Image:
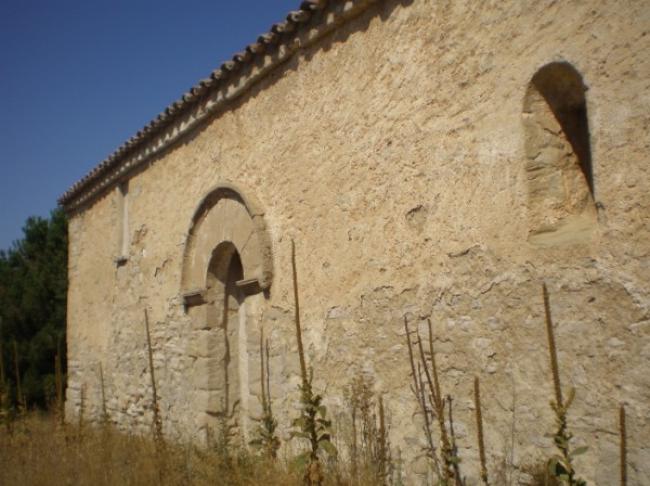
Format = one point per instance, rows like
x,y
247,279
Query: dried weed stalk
x,y
479,429
157,422
82,410
105,417
370,455
267,440
312,424
432,406
418,391
561,465
623,434
58,383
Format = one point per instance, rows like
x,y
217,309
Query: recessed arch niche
x,y
558,165
227,269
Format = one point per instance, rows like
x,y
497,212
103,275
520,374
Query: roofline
x,y
302,27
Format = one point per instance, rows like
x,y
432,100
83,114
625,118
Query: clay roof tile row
x,y
271,38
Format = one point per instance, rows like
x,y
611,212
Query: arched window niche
x,y
558,157
227,272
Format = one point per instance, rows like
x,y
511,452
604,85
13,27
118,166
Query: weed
x,y
82,410
446,468
540,474
560,465
479,430
370,455
267,439
58,383
157,422
312,424
105,419
623,445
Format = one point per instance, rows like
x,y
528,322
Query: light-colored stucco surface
x,y
394,153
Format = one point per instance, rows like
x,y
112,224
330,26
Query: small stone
x,y
615,343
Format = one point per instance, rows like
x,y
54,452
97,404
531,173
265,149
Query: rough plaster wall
x,y
393,153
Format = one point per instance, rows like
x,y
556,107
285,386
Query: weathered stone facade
x,y
430,159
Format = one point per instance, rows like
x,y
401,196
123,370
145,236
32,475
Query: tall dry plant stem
x,y
561,465
409,346
262,374
82,408
105,418
313,474
157,422
418,390
434,368
266,439
81,431
555,369
454,458
301,351
449,458
354,448
479,428
312,425
58,381
383,458
20,397
623,432
268,376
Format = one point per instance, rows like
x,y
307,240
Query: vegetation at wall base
x,y
42,448
40,451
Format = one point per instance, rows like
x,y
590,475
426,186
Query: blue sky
x,y
77,78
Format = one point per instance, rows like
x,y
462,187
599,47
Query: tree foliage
x,y
33,288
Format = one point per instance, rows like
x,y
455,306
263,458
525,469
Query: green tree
x,y
33,288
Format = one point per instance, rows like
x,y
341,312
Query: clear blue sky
x,y
77,78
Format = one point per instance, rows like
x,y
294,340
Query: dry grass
x,y
39,451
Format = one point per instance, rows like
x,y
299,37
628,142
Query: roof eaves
x,y
204,98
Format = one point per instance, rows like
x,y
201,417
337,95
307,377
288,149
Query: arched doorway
x,y
226,275
226,320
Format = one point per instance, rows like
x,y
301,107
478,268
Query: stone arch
x,y
226,269
226,214
558,156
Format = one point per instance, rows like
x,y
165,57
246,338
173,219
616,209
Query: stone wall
x,y
399,152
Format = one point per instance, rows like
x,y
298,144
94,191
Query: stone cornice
x,y
315,19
